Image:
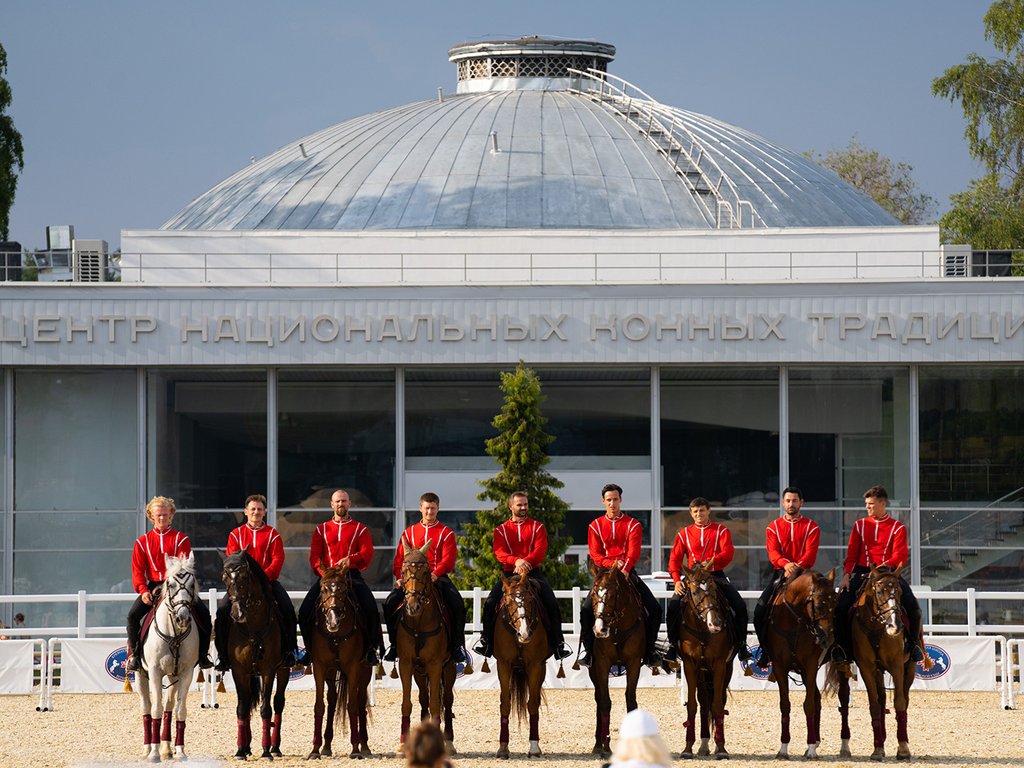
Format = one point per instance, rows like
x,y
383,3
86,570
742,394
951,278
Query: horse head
x,y
820,606
334,604
416,578
180,590
241,579
702,593
882,593
520,606
608,593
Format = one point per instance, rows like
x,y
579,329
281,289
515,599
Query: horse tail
x,y
520,691
832,677
341,696
255,692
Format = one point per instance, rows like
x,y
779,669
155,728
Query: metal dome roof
x,y
513,151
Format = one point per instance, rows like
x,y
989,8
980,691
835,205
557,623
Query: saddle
x,y
147,620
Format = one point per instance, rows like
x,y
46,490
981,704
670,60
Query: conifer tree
x,y
519,449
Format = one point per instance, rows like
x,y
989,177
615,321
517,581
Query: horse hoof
x,y
450,745
878,755
314,755
721,754
326,752
903,753
844,751
704,751
782,756
356,755
364,750
502,755
268,755
276,752
687,755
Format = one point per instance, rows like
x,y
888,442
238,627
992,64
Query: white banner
x,y
16,660
91,665
958,664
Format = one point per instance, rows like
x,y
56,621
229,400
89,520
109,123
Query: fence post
x,y
82,622
972,612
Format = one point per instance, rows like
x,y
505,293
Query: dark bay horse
x,y
879,645
706,649
338,648
799,633
422,642
520,650
255,652
619,638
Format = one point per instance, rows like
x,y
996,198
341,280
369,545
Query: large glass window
x,y
972,477
76,438
207,438
720,436
336,430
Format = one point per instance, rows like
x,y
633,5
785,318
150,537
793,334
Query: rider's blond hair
x,y
160,501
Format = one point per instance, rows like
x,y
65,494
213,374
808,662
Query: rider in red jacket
x,y
614,539
441,556
149,566
520,546
264,545
792,542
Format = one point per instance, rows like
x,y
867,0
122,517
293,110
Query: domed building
x,y
710,314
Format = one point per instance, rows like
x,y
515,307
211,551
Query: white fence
x,y
40,660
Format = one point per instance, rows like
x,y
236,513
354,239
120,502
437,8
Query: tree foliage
x,y
888,183
12,153
986,215
519,448
991,94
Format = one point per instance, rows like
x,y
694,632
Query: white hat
x,y
636,724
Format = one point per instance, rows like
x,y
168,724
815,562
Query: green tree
x,y
991,94
12,153
888,183
519,449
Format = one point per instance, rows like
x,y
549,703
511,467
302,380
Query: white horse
x,y
171,651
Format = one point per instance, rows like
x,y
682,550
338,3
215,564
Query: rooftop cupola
x,y
529,63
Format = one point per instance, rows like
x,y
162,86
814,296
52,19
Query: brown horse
x,y
799,633
706,649
520,650
255,652
879,646
338,648
619,638
422,642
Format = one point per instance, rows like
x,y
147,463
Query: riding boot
x,y
914,638
134,663
392,606
587,633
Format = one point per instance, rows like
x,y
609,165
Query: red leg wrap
x,y
535,726
503,731
901,727
785,729
165,734
405,727
241,733
154,731
179,733
720,731
318,724
147,729
267,735
277,730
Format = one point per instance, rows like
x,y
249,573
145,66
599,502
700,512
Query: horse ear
x,y
898,571
614,568
592,567
190,561
426,547
832,576
504,580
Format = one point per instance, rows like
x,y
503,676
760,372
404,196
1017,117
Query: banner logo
x,y
940,663
297,673
116,664
756,671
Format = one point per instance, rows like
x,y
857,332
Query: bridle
x,y
703,595
179,593
416,585
609,592
885,601
332,604
238,581
521,608
819,609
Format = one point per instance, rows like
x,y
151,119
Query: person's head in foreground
x,y
640,744
425,747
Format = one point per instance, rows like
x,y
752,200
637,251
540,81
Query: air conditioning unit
x,y
90,261
956,260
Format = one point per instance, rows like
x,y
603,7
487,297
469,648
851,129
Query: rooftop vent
x,y
529,63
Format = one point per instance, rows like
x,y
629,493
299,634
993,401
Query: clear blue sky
x,y
130,109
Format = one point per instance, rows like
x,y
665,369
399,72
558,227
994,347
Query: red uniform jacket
x,y
877,542
527,540
441,554
148,556
611,540
333,542
793,542
697,544
264,545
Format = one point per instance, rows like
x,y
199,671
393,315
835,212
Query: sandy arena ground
x,y
946,729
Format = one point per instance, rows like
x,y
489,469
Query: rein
x,y
517,602
253,599
183,581
424,592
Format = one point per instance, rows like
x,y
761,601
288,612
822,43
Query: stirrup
x,y
133,664
204,662
223,664
586,659
484,649
392,653
562,651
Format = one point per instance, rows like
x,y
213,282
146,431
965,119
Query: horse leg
x,y
599,677
266,712
318,712
504,706
332,708
142,682
844,714
156,711
719,683
812,711
873,682
536,683
351,703
282,684
901,701
180,712
704,684
447,702
784,710
364,704
165,726
242,715
691,674
405,671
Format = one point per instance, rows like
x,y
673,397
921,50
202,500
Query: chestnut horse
x,y
799,633
879,646
619,638
338,648
422,643
706,648
520,650
255,652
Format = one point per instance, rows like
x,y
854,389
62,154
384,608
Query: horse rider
x,y
877,540
441,557
342,540
614,539
699,543
264,545
520,546
149,568
792,541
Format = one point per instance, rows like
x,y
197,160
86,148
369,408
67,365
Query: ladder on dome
x,y
717,196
